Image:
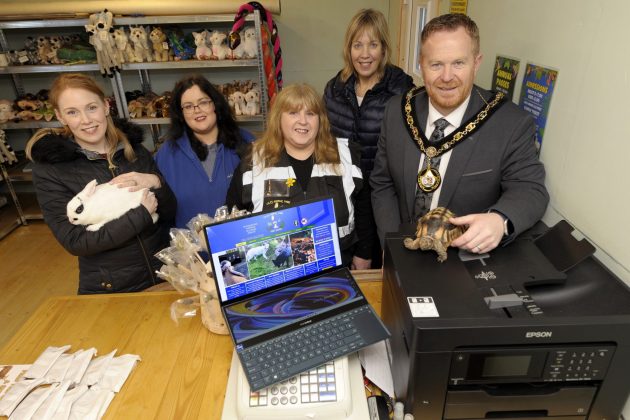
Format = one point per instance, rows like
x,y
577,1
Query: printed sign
x,y
504,75
459,6
538,85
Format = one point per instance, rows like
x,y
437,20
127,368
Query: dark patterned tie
x,y
423,200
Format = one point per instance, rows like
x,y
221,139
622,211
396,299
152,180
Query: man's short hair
x,y
451,22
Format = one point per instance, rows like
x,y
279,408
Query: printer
x,y
537,329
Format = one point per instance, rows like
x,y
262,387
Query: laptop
x,y
289,304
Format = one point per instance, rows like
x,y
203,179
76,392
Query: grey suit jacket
x,y
496,168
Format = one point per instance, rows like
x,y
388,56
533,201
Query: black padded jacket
x,y
362,124
119,257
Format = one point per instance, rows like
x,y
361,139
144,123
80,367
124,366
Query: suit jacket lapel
x,y
412,153
461,153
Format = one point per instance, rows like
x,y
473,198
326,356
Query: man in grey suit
x,y
480,163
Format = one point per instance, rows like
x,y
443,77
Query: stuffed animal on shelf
x,y
100,29
6,111
249,43
124,50
180,46
238,99
161,50
96,205
43,49
55,44
252,100
30,45
202,40
220,50
7,155
136,108
139,39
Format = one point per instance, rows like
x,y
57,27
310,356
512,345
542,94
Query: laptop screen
x,y
262,250
286,306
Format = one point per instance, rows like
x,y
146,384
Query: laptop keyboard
x,y
301,350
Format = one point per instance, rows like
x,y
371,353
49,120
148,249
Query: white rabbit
x,y
99,204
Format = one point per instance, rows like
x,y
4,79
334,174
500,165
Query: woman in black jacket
x,y
356,97
118,257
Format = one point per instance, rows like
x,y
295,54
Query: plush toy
x,y
202,39
249,43
136,108
161,49
55,44
100,29
219,49
238,99
252,100
124,50
43,49
30,45
180,46
6,111
7,155
96,205
139,39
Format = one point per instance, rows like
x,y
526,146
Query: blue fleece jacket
x,y
186,176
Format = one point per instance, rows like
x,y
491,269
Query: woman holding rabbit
x,y
118,257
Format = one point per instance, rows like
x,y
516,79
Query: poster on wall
x,y
504,76
459,6
538,84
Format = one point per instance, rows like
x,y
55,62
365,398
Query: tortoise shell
x,y
435,232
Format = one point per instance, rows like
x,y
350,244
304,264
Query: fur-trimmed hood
x,y
55,148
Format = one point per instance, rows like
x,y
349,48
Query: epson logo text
x,y
538,334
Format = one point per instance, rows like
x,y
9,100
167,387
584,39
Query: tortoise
x,y
435,232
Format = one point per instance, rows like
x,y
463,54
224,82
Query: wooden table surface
x,y
184,368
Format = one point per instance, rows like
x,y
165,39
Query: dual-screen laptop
x,y
289,304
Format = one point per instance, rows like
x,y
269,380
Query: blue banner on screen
x,y
263,250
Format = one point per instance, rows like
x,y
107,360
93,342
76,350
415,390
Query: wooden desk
x,y
184,368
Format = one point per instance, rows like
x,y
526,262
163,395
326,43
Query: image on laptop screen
x,y
262,250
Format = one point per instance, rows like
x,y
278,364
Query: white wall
x,y
586,147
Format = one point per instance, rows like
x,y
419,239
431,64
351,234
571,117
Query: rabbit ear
x,y
89,188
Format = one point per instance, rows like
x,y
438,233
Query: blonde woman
x,y
297,159
356,97
119,256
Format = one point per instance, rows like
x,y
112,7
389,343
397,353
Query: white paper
x,y
375,361
80,362
45,361
31,403
52,403
97,369
117,372
16,393
63,411
92,405
58,370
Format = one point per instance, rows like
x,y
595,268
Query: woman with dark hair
x,y
356,97
118,257
203,147
297,159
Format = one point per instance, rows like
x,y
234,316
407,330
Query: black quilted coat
x,y
363,124
119,256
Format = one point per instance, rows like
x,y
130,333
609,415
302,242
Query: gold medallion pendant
x,y
429,179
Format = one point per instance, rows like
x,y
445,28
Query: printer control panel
x,y
578,364
530,364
